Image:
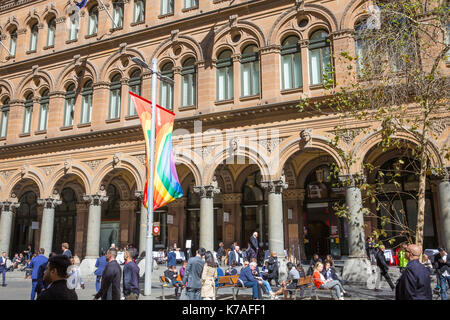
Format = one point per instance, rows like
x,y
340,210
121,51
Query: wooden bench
x,y
315,289
306,282
227,282
168,284
239,286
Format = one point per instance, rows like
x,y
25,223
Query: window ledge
x,y
10,57
30,51
71,41
115,29
2,138
132,117
88,36
289,91
189,9
161,16
228,101
137,23
256,96
83,125
21,135
193,107
49,47
40,132
316,86
66,128
219,1
112,120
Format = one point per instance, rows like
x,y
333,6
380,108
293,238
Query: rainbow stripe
x,y
166,186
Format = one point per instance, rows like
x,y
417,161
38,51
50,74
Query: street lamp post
x,y
149,242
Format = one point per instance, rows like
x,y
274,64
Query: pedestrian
x,y
442,262
193,275
291,282
3,268
111,276
253,247
56,276
321,282
171,258
247,278
220,253
171,276
183,269
382,269
34,265
28,254
401,255
426,262
130,277
209,276
100,264
370,249
414,283
272,268
313,263
74,280
235,256
65,249
41,284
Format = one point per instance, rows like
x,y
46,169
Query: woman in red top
x,y
322,283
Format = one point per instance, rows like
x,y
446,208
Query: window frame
x,y
251,59
93,12
193,4
292,51
28,112
70,96
319,45
43,101
115,86
170,7
34,33
4,109
132,83
135,19
186,71
87,91
51,25
164,85
228,65
118,4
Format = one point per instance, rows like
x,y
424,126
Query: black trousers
x,y
388,279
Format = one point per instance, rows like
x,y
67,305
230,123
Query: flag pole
x,y
149,249
106,9
9,52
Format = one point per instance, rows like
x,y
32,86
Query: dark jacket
x,y
312,264
381,262
247,275
440,265
193,274
253,243
334,275
370,249
67,253
272,267
171,259
100,264
220,252
414,283
170,276
40,278
110,285
232,258
130,278
58,291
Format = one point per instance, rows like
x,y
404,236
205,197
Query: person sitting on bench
x,y
329,273
249,281
322,283
291,283
232,270
171,275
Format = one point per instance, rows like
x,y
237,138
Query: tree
x,y
397,81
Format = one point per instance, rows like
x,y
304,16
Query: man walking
x,y
220,253
442,263
65,250
100,264
3,268
193,275
130,277
110,285
56,276
383,269
35,264
253,249
414,283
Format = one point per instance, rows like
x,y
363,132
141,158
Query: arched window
x,y
360,46
190,4
291,64
188,88
69,106
250,71
225,88
134,85
139,11
115,97
319,57
166,6
34,30
28,113
93,20
13,42
86,102
166,89
43,110
51,32
73,26
118,14
4,116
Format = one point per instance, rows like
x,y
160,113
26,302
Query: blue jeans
x,y
3,275
33,288
254,286
267,286
98,283
194,294
444,281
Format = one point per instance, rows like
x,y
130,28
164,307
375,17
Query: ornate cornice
x,y
95,200
294,194
9,205
346,33
127,204
49,203
275,186
352,180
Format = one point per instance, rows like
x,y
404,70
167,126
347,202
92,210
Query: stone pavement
x,y
19,289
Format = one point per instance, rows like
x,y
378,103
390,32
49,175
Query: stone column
x,y
48,219
206,215
357,266
444,205
6,217
142,223
95,201
275,206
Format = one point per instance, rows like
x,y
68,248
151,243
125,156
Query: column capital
x,y
95,199
442,173
8,205
49,203
207,191
352,180
274,186
139,194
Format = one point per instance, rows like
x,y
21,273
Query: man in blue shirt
x,y
100,264
34,264
130,277
249,281
171,258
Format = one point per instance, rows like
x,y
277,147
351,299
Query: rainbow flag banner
x,y
166,186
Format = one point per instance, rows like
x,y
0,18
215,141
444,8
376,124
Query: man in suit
x,y
110,285
3,268
235,256
100,264
193,275
383,269
41,284
414,283
35,264
56,275
65,250
249,281
253,249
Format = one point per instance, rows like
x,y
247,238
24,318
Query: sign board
x,y
34,225
169,219
188,244
226,217
156,229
